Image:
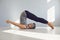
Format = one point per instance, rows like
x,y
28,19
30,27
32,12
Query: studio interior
x,y
29,19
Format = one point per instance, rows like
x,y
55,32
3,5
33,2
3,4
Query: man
x,y
23,17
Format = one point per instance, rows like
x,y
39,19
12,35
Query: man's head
x,y
32,25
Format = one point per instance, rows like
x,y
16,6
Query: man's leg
x,y
16,24
38,19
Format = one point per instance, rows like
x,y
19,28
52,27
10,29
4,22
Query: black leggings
x,y
35,18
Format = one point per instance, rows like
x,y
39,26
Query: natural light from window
x,y
51,14
48,1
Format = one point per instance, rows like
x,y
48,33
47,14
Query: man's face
x,y
30,25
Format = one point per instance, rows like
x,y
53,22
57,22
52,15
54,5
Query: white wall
x,y
10,9
57,14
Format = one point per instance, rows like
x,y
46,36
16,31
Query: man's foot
x,y
51,25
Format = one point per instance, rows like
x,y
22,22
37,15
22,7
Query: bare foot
x,y
51,25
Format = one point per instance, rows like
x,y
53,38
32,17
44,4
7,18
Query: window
x,y
51,14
